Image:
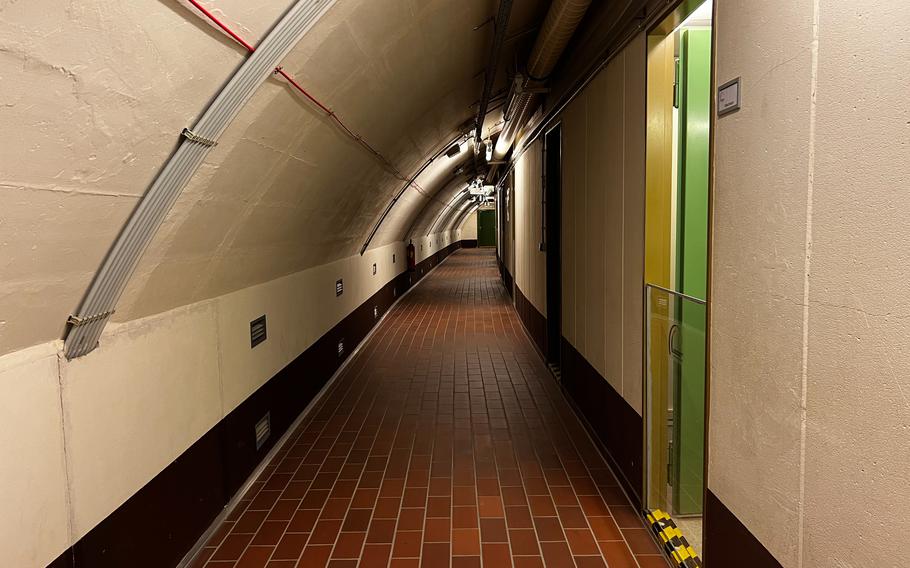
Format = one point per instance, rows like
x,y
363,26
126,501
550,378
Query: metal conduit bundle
x,y
562,19
85,327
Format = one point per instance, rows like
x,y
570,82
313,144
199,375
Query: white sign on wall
x,y
728,97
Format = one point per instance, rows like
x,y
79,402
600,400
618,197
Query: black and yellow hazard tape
x,y
671,538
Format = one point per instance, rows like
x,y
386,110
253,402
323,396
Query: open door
x,y
676,265
694,99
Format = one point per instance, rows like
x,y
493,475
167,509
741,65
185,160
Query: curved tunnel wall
x,y
282,192
805,396
274,216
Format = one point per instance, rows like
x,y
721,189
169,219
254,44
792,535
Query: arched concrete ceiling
x,y
97,93
437,212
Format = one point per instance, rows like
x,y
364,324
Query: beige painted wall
x,y
603,221
34,526
153,387
468,228
98,93
809,390
530,263
427,246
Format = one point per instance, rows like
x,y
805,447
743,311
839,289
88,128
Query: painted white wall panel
x,y
633,226
133,406
603,221
857,478
614,219
762,169
34,524
469,227
531,262
600,216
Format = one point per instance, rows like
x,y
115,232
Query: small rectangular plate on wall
x,y
339,287
374,269
257,331
728,97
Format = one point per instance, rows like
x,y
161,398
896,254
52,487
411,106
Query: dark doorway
x,y
552,148
486,228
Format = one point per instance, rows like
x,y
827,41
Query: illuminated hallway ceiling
x,y
99,93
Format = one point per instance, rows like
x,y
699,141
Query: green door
x,y
486,228
692,223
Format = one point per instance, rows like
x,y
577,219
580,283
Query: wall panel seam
x,y
807,267
622,238
67,477
219,355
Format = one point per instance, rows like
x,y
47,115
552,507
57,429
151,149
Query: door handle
x,y
673,334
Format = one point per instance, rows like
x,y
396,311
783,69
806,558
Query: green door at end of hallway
x,y
692,274
486,228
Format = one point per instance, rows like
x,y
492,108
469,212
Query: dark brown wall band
x,y
728,542
533,321
614,424
618,430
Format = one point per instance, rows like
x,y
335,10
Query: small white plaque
x,y
728,97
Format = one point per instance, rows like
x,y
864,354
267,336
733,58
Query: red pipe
x,y
329,112
222,25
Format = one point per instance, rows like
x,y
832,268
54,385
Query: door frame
x,y
663,24
551,242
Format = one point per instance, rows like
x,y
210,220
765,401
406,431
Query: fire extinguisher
x,y
412,257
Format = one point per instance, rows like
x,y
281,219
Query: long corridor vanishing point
x,y
444,442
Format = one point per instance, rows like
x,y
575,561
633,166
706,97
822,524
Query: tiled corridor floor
x,y
445,442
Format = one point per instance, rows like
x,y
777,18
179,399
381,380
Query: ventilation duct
x,y
501,24
561,21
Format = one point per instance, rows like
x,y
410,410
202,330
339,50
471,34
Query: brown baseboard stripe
x,y
507,280
613,422
728,542
533,321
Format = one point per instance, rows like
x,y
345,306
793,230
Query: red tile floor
x,y
445,442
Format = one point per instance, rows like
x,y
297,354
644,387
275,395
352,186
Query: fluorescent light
x,y
701,16
502,147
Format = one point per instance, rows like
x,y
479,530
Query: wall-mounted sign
x,y
728,97
339,287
